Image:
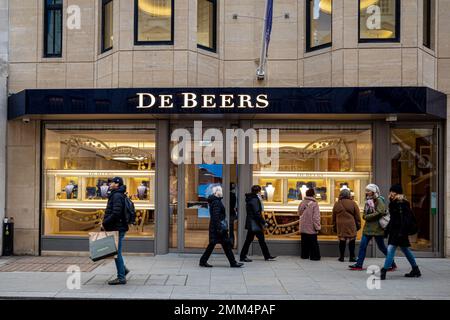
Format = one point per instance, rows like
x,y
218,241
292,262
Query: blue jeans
x,y
120,265
363,247
391,253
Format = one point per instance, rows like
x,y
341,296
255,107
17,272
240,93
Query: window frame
x,y
397,26
214,46
308,46
103,49
136,26
47,9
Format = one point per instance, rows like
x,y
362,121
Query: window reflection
x,y
319,20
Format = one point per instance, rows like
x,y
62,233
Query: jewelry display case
x,y
282,192
75,200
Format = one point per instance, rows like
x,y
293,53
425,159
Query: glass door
x,y
414,165
191,183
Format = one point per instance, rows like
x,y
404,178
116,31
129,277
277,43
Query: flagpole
x,y
260,72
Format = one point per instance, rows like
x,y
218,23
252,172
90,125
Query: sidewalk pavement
x,y
178,276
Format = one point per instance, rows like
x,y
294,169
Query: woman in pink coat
x,y
309,213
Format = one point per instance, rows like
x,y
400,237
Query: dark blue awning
x,y
341,101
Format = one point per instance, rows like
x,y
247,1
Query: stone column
x,y
4,25
162,188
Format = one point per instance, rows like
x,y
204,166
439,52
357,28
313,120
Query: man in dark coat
x,y
115,220
398,231
218,230
255,224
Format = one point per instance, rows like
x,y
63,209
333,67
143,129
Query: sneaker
x,y
355,267
352,259
205,265
341,259
117,281
392,268
236,265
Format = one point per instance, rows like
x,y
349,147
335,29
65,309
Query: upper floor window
x,y
318,24
379,20
53,28
206,24
153,21
429,23
107,25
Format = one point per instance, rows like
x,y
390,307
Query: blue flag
x,y
268,24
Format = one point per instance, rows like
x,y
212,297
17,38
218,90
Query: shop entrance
x,y
191,183
414,165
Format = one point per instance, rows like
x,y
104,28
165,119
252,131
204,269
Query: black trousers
x,y
262,243
232,219
310,247
226,245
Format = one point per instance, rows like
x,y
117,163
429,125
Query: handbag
x,y
255,227
384,220
223,225
102,245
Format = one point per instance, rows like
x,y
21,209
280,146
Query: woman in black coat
x,y
398,230
218,230
255,224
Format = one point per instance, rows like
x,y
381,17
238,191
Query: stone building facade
x,y
347,62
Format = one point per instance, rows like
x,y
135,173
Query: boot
x,y
351,248
341,250
415,273
383,274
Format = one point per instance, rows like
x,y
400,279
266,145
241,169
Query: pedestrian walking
x,y
346,223
218,230
402,224
374,209
309,213
255,224
115,220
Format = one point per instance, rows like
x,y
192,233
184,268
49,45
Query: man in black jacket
x,y
115,220
218,230
255,224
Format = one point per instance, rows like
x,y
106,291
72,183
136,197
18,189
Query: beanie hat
x,y
374,188
118,180
397,188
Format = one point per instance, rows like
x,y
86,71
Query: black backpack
x,y
130,211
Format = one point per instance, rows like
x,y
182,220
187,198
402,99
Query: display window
x,y
326,158
80,160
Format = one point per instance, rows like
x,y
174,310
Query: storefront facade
x,y
328,139
354,101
